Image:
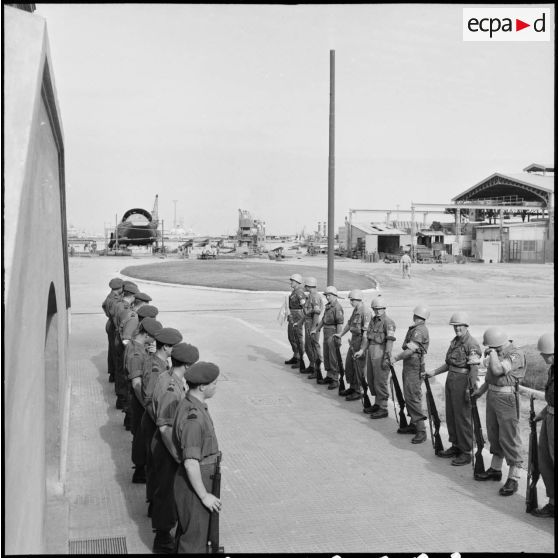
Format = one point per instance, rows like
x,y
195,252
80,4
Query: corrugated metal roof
x,y
545,183
539,167
373,228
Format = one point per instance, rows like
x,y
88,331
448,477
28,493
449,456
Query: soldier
x,y
312,309
332,322
108,306
169,390
147,311
194,437
165,339
122,311
295,319
357,325
462,364
505,366
135,357
546,437
415,346
377,343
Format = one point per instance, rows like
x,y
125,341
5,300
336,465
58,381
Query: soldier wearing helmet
x,y
405,263
415,346
295,319
357,325
546,437
505,366
377,344
312,310
462,364
331,322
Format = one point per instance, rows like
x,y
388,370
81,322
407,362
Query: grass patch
x,y
250,276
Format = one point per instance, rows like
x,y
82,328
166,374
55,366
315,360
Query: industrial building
x,y
506,217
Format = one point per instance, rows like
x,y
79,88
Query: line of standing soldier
x,y
174,446
370,359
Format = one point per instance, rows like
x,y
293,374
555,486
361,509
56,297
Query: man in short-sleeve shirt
x,y
505,366
194,436
169,390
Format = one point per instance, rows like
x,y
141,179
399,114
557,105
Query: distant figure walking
x,y
405,265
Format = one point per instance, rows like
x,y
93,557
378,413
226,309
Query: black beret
x,y
202,373
147,311
186,353
116,283
168,336
143,296
130,288
151,326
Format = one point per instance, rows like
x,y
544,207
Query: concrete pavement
x,y
303,470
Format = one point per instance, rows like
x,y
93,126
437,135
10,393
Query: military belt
x,y
330,326
458,370
502,389
550,409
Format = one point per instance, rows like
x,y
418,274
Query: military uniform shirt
x,y
154,366
112,298
381,329
313,306
135,356
360,319
169,391
193,433
333,314
128,324
297,298
463,352
417,339
513,362
120,310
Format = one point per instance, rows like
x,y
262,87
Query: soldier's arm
x,y
494,364
166,436
193,471
136,386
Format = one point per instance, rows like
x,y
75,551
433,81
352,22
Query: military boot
x,y
164,543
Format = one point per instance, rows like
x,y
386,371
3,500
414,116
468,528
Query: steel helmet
x,y
331,290
459,318
310,282
546,344
378,302
422,312
296,277
494,337
355,294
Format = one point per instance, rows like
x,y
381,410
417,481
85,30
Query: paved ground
x,y
303,470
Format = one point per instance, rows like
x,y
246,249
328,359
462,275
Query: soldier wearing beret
x,y
123,312
169,390
331,322
157,363
146,311
505,366
194,437
108,307
462,364
135,357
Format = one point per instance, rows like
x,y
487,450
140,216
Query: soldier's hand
x,y
386,363
359,354
152,348
427,374
476,394
211,502
337,336
337,340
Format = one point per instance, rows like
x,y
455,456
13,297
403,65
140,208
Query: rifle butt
x,y
479,464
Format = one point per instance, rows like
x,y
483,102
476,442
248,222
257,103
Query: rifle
x,y
213,530
342,385
478,461
533,473
365,399
433,417
400,400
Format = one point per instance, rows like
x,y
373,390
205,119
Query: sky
x,y
217,108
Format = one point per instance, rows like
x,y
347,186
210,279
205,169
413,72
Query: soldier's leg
x,y
370,372
350,373
450,415
317,349
493,432
546,454
138,442
148,430
119,377
381,379
328,334
109,328
412,388
509,434
461,406
292,340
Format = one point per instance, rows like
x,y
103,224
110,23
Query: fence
x,y
528,251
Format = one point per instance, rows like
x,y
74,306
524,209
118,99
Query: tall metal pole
x,y
116,231
175,212
331,172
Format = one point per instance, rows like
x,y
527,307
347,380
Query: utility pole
x,y
331,172
116,231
